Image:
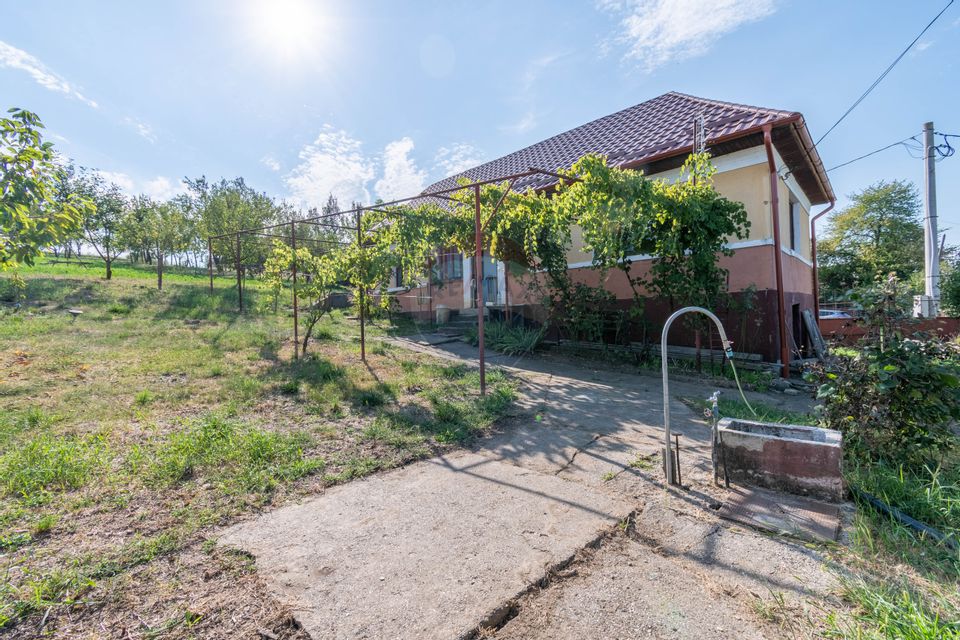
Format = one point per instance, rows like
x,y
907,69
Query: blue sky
x,y
371,98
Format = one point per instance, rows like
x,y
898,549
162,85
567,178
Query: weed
x,y
608,476
47,464
143,398
895,611
44,525
643,462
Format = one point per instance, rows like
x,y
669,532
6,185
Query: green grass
x,y
731,408
168,412
895,612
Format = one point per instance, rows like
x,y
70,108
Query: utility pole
x,y
930,305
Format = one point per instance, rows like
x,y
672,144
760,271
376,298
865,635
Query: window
x,y
449,266
796,215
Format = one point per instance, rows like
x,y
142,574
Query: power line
x,y
867,155
883,75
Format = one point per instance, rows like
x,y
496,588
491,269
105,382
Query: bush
x,y
507,339
894,400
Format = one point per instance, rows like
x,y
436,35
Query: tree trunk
x,y
109,262
159,270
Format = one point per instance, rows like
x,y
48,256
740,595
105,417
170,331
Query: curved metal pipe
x,y
728,351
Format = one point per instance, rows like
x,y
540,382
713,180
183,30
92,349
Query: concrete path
x,y
445,547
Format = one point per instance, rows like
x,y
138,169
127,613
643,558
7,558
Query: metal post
x,y
239,276
931,256
430,288
210,261
728,350
479,280
296,308
360,297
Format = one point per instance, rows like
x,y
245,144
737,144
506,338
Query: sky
x,y
368,98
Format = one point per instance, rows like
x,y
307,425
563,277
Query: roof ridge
x,y
736,105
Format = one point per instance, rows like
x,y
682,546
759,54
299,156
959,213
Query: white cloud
x,y
270,162
158,188
526,94
526,122
401,177
162,188
457,158
118,178
656,32
14,58
143,129
333,163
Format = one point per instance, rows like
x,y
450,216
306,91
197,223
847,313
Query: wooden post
x,y
210,261
296,309
479,280
239,276
360,298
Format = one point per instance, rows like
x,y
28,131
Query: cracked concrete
x,y
447,546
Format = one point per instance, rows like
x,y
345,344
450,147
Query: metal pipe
x,y
210,261
360,297
296,319
813,258
478,278
239,280
777,253
728,351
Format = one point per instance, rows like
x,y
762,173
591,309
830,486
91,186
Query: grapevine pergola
x,y
287,231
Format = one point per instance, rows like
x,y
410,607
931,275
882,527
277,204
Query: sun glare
x,y
290,29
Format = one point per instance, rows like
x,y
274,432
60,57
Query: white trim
x,y
743,244
792,185
724,163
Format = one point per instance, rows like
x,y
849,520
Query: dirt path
x,y
557,527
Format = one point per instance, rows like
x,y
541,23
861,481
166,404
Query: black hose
x,y
903,518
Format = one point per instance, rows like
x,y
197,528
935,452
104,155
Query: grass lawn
x,y
129,435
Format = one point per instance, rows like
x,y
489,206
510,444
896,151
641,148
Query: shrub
x,y
893,400
509,340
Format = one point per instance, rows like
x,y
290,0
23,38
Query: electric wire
x,y
903,142
883,75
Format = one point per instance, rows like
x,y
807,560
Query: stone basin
x,y
784,457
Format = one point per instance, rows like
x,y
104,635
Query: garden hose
x,y
728,351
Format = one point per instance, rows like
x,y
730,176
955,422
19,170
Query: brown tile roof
x,y
655,129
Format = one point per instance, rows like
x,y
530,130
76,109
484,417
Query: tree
x,y
102,227
226,207
317,279
156,228
881,232
32,217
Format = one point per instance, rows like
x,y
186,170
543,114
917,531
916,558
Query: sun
x,y
287,29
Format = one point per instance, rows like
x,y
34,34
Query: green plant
x,y
507,339
893,401
143,398
46,464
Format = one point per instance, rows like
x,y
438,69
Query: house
x,y
754,150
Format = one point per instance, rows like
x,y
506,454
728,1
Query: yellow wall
x,y
751,186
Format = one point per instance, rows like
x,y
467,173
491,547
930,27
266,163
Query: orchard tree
x,y
102,228
32,217
881,232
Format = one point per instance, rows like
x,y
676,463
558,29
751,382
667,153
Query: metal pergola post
x,y
360,297
239,275
478,278
296,309
210,261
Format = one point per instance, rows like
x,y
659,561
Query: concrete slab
x,y
782,513
627,591
428,551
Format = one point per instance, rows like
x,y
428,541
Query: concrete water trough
x,y
785,457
